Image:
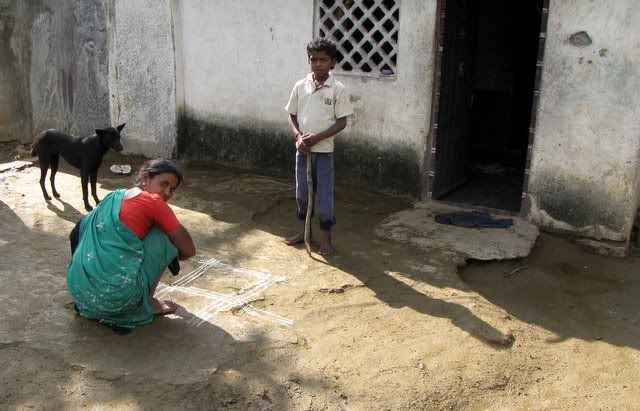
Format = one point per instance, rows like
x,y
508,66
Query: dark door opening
x,y
488,71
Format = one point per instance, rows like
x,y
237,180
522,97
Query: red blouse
x,y
139,213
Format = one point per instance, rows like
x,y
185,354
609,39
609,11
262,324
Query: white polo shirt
x,y
317,110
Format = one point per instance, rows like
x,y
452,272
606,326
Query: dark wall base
x,y
581,203
271,150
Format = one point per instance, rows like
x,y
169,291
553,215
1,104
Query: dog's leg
x,y
84,181
94,179
44,166
54,169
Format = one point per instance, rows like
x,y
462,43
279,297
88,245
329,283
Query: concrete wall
x,y
53,67
15,45
213,77
81,65
240,61
69,66
143,76
584,173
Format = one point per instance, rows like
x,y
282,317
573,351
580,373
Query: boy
x,y
318,110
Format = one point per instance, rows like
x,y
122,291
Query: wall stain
x,y
581,203
580,39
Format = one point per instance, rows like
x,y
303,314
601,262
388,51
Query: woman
x,y
124,246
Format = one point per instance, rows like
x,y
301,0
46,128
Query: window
x,y
365,32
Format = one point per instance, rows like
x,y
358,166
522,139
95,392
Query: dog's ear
x,y
120,127
99,133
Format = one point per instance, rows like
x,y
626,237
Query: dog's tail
x,y
34,145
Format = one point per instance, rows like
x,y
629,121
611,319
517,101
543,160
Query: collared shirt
x,y
319,109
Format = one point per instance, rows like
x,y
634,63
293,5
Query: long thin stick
x,y
509,274
307,221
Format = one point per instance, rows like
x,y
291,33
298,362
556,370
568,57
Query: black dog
x,y
85,153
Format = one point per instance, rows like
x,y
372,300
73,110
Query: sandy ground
x,y
390,322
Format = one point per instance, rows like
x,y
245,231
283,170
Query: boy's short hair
x,y
322,44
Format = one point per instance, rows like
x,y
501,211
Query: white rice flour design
x,y
219,302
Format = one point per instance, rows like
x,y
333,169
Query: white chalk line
x,y
216,304
212,262
242,303
230,300
240,299
223,302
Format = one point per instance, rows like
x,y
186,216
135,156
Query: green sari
x,y
112,271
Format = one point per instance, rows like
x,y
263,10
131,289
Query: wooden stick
x,y
307,221
509,274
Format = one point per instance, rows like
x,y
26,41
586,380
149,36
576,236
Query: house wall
x,y
213,78
142,79
69,66
78,66
584,169
15,110
240,61
53,67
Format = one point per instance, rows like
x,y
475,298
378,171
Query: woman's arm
x,y
181,238
166,219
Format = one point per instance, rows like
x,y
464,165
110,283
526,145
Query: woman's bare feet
x,y
296,239
163,306
326,246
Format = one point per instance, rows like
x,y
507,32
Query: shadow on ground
x,y
566,290
249,201
393,271
55,359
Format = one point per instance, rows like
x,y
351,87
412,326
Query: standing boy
x,y
318,110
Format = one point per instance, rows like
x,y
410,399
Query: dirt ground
x,y
389,322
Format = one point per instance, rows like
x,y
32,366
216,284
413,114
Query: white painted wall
x,y
241,59
397,111
234,64
585,162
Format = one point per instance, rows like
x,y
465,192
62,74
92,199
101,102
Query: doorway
x,y
485,95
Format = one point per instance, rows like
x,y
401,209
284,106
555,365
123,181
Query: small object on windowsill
x,y
387,72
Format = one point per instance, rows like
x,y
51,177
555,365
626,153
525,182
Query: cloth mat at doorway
x,y
473,219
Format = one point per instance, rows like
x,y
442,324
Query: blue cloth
x,y
323,184
472,219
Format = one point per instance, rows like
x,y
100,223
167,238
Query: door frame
x,y
430,155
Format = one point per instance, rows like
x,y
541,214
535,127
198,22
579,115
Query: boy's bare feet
x,y
295,239
326,246
163,306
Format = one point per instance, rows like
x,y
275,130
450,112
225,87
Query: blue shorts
x,y
323,182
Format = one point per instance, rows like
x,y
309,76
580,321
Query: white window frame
x,y
378,26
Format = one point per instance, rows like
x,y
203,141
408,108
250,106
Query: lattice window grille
x,y
365,33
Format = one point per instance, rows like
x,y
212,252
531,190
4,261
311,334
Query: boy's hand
x,y
301,145
310,139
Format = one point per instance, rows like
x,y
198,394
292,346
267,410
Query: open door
x,y
484,93
454,97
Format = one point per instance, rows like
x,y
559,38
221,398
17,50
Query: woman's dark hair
x,y
320,44
158,166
